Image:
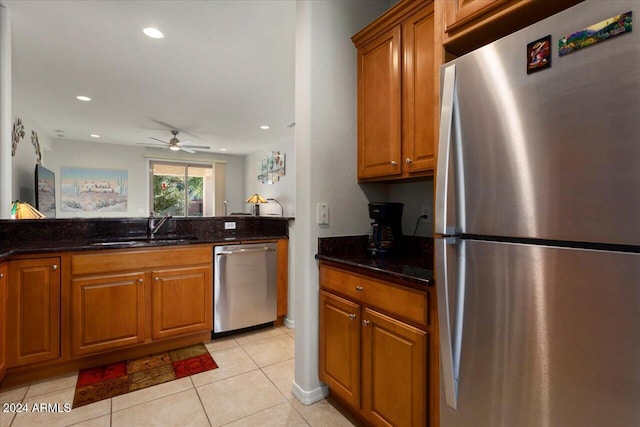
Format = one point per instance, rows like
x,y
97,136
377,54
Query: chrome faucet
x,y
155,227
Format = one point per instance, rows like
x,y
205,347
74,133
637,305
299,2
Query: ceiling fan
x,y
175,144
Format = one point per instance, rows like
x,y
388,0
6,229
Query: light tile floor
x,y
251,387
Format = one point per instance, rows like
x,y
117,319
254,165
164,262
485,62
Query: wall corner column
x,y
6,186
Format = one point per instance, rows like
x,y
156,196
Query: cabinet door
x,y
33,320
460,12
420,97
3,320
182,301
379,103
340,347
107,312
394,372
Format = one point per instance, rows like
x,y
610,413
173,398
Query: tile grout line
x,y
206,414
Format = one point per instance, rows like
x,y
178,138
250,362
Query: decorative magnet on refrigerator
x,y
539,55
596,33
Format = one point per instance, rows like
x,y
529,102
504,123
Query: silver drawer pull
x,y
352,316
394,163
359,288
365,323
408,161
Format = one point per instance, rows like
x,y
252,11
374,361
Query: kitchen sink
x,y
134,241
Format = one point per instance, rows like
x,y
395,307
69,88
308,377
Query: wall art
x,y
18,134
36,146
93,190
271,167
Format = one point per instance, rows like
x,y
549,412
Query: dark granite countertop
x,y
413,264
42,236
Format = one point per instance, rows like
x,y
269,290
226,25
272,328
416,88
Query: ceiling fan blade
x,y
200,147
148,144
187,150
186,142
164,142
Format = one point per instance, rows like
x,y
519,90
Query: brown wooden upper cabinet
x,y
397,93
470,24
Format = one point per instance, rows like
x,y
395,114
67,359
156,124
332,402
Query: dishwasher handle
x,y
240,251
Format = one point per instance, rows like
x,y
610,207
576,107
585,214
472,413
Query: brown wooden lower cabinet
x,y
107,312
3,319
181,301
394,367
374,363
33,312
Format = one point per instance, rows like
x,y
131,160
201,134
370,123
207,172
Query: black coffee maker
x,y
385,234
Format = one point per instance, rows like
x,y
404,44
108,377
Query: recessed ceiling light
x,y
154,33
83,98
223,149
265,127
94,135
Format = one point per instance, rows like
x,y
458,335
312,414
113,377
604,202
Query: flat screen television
x,y
45,187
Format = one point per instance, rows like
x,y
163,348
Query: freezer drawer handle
x,y
450,340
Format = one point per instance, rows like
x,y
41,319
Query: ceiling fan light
x,y
174,148
154,33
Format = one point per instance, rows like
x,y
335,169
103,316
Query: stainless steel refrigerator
x,y
538,228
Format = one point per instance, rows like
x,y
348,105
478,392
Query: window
x,y
181,189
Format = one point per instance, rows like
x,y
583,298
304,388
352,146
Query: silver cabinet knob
x,y
156,278
365,323
408,161
54,267
1,275
141,281
394,163
359,288
352,316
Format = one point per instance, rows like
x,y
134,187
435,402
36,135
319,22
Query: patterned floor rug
x,y
95,384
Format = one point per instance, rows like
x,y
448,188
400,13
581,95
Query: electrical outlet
x,y
323,214
426,210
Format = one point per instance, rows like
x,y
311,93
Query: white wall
x,y
283,190
326,157
135,161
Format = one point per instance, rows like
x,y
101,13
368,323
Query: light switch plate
x,y
323,214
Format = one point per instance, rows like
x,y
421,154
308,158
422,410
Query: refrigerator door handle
x,y
444,150
450,321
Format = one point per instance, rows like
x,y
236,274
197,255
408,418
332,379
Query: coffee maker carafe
x,y
385,234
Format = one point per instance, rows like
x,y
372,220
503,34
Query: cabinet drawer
x,y
139,259
404,302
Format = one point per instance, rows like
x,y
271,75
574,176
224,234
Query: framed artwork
x,y
271,167
93,190
45,185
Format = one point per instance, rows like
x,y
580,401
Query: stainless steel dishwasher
x,y
245,286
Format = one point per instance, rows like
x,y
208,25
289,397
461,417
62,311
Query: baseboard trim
x,y
309,397
291,324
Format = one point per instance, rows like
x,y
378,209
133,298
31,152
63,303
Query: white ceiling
x,y
223,69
